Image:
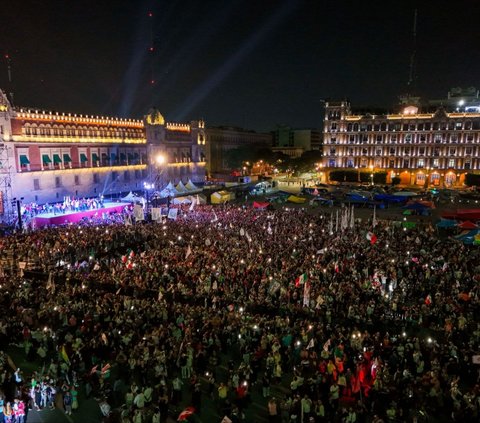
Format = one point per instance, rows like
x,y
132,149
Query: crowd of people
x,y
253,315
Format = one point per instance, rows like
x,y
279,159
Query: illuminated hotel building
x,y
436,148
49,155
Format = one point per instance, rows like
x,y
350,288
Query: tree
x,y
238,156
396,180
307,161
472,179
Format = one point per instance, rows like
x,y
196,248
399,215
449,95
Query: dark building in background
x,y
221,139
294,142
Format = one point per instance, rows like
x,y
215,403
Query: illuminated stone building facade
x,y
436,148
49,155
176,151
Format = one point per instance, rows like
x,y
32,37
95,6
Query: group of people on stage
x,y
69,204
224,307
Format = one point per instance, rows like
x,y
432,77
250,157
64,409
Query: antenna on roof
x,y
9,72
412,74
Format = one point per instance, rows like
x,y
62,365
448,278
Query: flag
x,y
372,237
64,354
326,346
215,218
138,212
428,300
374,220
172,214
192,206
185,414
51,282
301,280
156,213
337,268
306,294
189,251
311,344
352,217
105,368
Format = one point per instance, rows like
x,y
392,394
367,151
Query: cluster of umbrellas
x,y
470,231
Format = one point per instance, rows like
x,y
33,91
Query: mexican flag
x,y
185,414
301,280
372,237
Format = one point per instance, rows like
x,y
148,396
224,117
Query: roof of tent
x,y
221,193
260,204
415,206
182,200
446,223
180,187
130,197
168,191
467,225
295,199
191,186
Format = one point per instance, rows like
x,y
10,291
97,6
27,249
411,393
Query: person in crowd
x,y
336,326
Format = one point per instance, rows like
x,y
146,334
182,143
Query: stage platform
x,y
51,219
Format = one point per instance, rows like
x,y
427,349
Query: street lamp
x,y
148,187
160,159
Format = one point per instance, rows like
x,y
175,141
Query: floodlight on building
x,y
160,159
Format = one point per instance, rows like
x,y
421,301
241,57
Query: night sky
x,y
232,62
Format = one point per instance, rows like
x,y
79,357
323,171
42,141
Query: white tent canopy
x,y
182,200
168,191
180,187
131,197
191,186
189,199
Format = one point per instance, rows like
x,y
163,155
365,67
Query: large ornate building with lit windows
x,y
436,148
45,155
176,151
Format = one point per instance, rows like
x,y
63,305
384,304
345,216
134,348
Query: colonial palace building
x,y
45,155
438,147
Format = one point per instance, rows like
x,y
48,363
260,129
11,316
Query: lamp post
x,y
427,176
371,174
160,160
148,187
